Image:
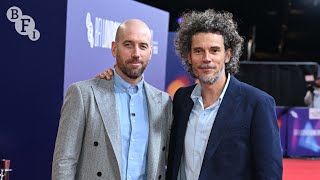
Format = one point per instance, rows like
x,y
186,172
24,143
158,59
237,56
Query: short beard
x,y
211,79
131,73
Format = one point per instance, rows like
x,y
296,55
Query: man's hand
x,y
106,74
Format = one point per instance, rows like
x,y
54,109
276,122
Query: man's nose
x,y
207,57
136,52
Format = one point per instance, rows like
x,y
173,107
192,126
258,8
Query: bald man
x,y
115,129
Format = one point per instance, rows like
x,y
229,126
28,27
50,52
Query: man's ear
x,y
150,52
228,55
114,48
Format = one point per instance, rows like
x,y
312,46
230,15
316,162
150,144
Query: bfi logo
x,y
24,24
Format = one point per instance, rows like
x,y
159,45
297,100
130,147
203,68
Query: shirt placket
x,y
131,153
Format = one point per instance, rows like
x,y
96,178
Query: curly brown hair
x,y
194,22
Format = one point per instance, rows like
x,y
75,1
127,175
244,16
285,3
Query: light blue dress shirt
x,y
197,134
133,111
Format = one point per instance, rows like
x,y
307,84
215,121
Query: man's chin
x,y
207,80
134,75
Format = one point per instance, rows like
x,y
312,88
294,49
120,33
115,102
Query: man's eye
x,y
215,50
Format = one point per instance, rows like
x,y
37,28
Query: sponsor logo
x,y
24,24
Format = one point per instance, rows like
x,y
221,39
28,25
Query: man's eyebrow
x,y
130,41
144,43
127,41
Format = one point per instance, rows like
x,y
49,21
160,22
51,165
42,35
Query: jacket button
x,y
99,174
164,148
95,143
159,177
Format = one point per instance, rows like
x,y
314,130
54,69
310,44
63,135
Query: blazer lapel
x,y
182,117
226,112
155,126
106,102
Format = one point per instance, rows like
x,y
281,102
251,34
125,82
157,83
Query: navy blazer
x,y
244,142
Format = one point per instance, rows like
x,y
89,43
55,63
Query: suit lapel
x,y
226,113
106,102
186,106
155,129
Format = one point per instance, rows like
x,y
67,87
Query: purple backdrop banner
x,y
91,27
303,133
176,75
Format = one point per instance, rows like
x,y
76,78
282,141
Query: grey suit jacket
x,y
88,144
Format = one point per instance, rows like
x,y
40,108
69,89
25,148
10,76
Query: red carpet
x,y
301,169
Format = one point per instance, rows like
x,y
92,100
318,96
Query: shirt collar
x,y
196,93
125,86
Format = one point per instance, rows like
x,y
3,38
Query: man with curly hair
x,y
223,129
